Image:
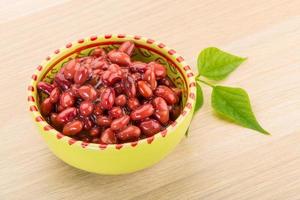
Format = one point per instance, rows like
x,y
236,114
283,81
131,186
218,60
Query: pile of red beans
x,y
107,98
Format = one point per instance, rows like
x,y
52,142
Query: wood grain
x,y
219,160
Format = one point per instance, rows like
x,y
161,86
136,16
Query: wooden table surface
x,y
219,160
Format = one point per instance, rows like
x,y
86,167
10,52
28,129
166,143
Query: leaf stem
x,y
206,83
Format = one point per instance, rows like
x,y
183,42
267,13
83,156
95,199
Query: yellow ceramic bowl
x,y
119,158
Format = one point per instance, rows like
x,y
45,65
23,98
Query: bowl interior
x,y
142,53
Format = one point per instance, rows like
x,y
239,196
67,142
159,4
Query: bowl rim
x,y
178,61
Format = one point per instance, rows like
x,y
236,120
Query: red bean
x,y
129,86
97,109
62,82
87,92
81,75
149,76
144,89
66,115
133,103
112,75
45,87
107,98
108,137
87,123
167,94
121,100
86,108
66,100
46,107
127,47
119,57
53,120
102,120
161,110
130,133
98,52
167,82
54,95
138,66
175,112
72,128
95,131
69,69
159,70
115,112
150,127
120,123
142,112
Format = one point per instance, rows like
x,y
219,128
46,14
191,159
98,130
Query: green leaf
x,y
234,104
216,64
199,98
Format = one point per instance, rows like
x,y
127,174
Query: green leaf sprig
x,y
230,102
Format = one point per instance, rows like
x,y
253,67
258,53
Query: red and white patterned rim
x,y
186,69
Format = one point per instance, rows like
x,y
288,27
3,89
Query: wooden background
x,y
219,160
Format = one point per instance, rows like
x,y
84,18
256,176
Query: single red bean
x,y
159,70
62,82
66,100
144,89
161,110
150,127
95,131
67,115
70,68
129,86
74,90
98,52
167,94
133,103
130,133
46,107
121,100
54,122
102,120
87,92
149,76
119,57
142,112
108,137
54,95
107,98
81,75
86,108
87,123
45,87
112,75
97,109
120,123
127,47
72,128
115,112
138,66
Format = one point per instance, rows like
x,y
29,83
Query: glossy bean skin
x,y
121,100
129,86
107,98
103,121
127,47
53,120
119,57
45,87
66,115
142,112
133,103
87,92
115,112
95,131
159,70
161,110
112,75
62,82
138,66
98,52
81,75
86,108
144,89
70,69
72,128
130,133
97,109
120,123
150,127
54,95
167,94
66,100
167,82
87,123
150,77
108,137
46,107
